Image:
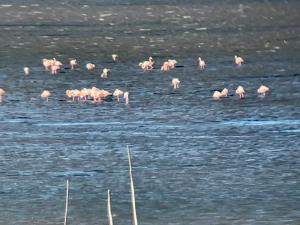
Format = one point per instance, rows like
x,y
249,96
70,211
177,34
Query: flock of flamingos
x,y
97,95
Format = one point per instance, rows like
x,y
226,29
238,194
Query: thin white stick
x,y
135,222
67,203
109,214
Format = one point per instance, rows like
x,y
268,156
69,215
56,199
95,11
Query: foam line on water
x,y
260,122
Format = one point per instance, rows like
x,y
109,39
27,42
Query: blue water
x,y
195,160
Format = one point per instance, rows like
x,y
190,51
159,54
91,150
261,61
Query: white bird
x,y
26,70
240,91
126,97
175,83
73,63
45,94
201,63
105,73
262,90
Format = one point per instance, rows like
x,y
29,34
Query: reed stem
x,y
109,214
67,203
135,222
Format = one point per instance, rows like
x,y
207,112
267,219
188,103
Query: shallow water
x,y
195,160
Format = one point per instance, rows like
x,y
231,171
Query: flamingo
x,y
147,65
126,97
172,63
45,94
70,94
165,67
114,57
2,93
224,92
238,60
47,63
118,93
55,69
90,66
105,73
201,63
240,91
262,90
217,95
26,70
84,93
73,63
175,83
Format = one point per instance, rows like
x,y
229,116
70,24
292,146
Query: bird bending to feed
x,y
240,91
90,66
105,73
147,65
217,95
45,94
73,63
165,66
52,64
262,90
238,60
114,57
222,94
26,70
172,63
47,64
126,97
201,63
2,93
118,93
175,83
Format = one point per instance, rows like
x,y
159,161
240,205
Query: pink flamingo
x,y
262,90
165,67
73,63
90,66
118,93
238,60
47,63
175,83
201,63
172,63
45,94
147,65
126,97
240,91
2,93
224,92
218,94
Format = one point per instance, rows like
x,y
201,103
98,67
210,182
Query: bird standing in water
x,y
2,93
201,63
262,90
175,83
240,91
26,70
238,60
45,94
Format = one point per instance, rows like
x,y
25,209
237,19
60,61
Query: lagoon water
x,y
195,160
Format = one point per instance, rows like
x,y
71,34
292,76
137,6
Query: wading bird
x,y
240,91
45,94
175,83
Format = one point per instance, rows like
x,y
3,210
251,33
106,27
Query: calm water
x,y
195,160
